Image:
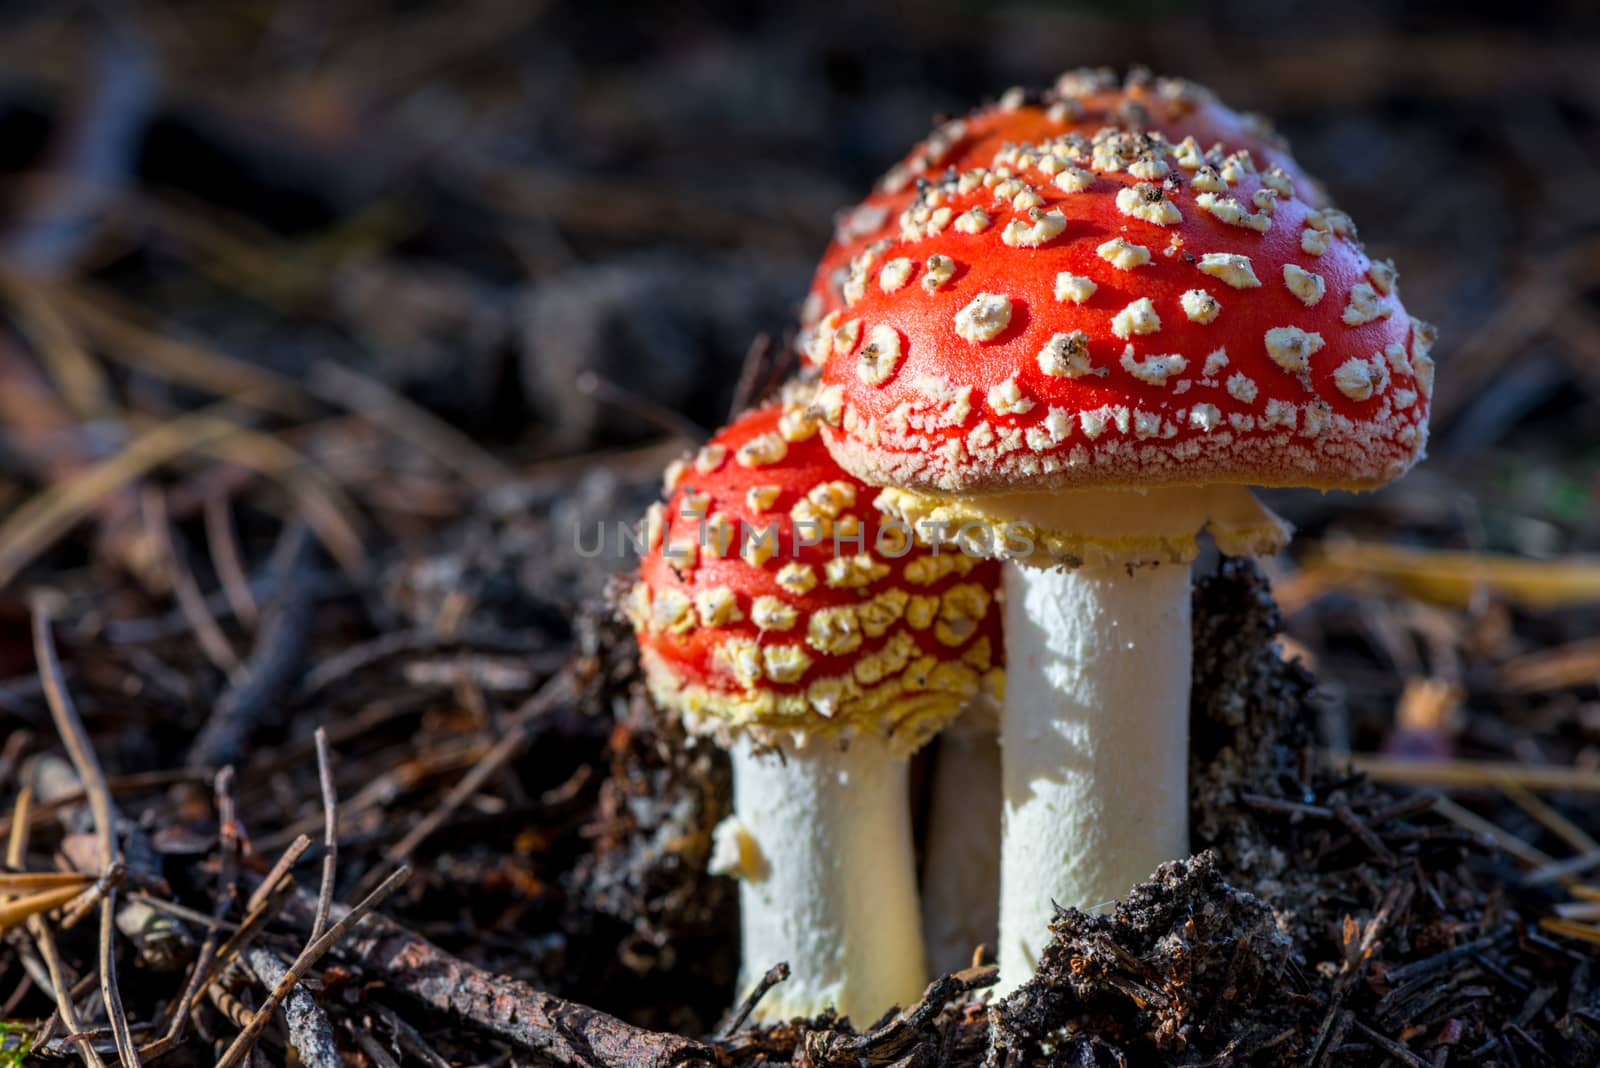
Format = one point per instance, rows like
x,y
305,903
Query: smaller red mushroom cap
x,y
773,597
1082,101
1116,312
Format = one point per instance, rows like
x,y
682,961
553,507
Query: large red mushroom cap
x,y
773,597
1082,101
1121,312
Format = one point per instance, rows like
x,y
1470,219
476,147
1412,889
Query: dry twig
x,y
79,748
241,1045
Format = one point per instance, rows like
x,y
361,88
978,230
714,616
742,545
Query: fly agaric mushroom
x,y
1081,101
1109,340
961,874
776,612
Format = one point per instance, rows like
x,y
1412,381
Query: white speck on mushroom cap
x,y
1138,317
1230,267
1145,201
938,270
762,450
895,274
1384,276
1314,242
1279,180
1007,398
1026,200
880,356
785,663
1365,305
1291,348
973,221
1206,180
1073,179
709,458
846,336
762,498
797,424
1122,254
1356,378
799,579
984,318
1303,284
1067,356
1205,416
1074,287
1230,211
1149,166
717,607
1200,306
1044,227
1153,370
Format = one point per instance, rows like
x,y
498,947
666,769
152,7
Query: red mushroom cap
x,y
1119,312
863,630
1082,101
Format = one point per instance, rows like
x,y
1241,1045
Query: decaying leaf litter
x,y
240,505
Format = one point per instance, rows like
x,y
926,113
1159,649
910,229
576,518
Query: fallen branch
x,y
310,1032
536,1022
246,1039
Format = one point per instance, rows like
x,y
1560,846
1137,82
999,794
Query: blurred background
x,y
423,286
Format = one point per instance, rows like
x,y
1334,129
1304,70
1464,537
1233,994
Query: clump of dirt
x,y
1179,968
1252,714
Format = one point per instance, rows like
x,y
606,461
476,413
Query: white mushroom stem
x,y
1094,728
961,870
821,840
1095,737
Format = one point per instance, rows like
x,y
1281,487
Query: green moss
x,y
16,1042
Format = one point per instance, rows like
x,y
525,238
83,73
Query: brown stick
x,y
509,1009
330,834
76,739
241,1045
775,975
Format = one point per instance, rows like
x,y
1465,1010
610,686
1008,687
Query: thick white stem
x,y
961,872
1094,740
828,879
